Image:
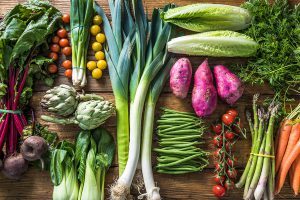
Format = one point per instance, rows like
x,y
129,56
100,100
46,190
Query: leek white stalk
x,y
153,94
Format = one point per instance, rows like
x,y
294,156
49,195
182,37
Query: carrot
x,y
283,139
285,166
296,178
291,174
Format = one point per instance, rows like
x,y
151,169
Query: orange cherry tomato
x,y
55,39
67,64
52,69
62,33
66,18
68,73
67,51
63,42
55,48
53,56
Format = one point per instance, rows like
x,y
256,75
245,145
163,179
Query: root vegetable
x,y
229,86
14,166
33,148
180,77
204,96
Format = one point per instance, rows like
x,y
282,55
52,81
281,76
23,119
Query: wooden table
x,y
196,186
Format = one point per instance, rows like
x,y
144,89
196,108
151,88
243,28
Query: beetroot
x,y
180,77
33,148
229,86
14,166
204,96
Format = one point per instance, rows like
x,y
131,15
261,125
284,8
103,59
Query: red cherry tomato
x,y
237,127
67,51
232,112
231,173
219,191
227,119
229,184
52,69
55,48
219,179
63,42
68,73
218,140
62,33
53,56
217,128
67,64
231,161
228,146
229,135
66,18
55,39
219,167
219,153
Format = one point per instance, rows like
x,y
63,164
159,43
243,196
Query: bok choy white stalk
x,y
119,62
152,97
151,55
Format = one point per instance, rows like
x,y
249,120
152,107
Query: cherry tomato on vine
x,y
219,153
63,42
228,146
229,184
66,18
232,112
67,64
231,173
67,51
217,128
62,33
229,135
68,73
218,140
219,191
219,179
219,167
231,161
237,127
227,119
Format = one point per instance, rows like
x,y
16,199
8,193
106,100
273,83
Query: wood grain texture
x,y
36,185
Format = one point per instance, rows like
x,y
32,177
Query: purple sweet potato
x,y
180,77
204,96
229,86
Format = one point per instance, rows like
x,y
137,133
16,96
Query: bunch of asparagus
x,y
259,174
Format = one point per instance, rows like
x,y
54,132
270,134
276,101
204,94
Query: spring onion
x,y
81,19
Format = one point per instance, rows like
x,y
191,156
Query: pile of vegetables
x,y
287,157
227,134
258,178
88,111
78,170
275,27
23,37
208,17
81,20
178,138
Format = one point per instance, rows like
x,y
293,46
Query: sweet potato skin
x,y
204,96
180,77
229,86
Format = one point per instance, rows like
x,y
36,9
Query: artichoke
x,y
88,115
63,100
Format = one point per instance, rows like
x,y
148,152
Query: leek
x,y
150,56
118,58
152,97
81,19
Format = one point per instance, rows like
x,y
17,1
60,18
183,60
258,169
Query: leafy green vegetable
x,y
214,43
208,17
275,27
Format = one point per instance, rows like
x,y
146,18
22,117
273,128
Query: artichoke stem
x,y
58,120
87,97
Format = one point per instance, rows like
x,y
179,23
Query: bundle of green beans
x,y
179,134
